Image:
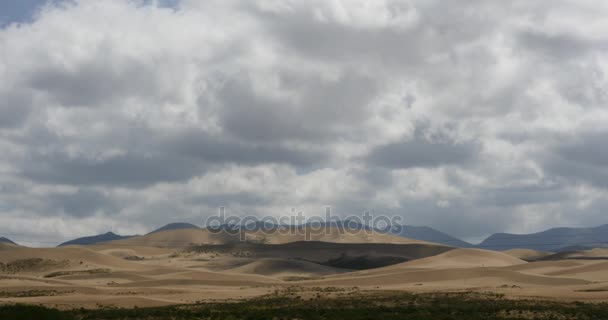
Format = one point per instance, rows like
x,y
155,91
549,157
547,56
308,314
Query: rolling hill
x,y
175,226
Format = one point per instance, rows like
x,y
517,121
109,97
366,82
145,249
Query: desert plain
x,y
189,266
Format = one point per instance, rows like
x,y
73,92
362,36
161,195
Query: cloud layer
x,y
469,116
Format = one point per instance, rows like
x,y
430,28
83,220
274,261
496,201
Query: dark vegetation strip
x,y
386,306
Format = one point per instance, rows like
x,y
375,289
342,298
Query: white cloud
x,y
471,116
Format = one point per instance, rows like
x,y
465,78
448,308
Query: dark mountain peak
x,y
108,236
6,240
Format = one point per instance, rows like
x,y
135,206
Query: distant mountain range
x,y
110,236
556,239
6,240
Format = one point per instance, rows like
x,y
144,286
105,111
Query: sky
x,y
469,116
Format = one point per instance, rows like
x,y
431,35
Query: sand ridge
x,y
464,258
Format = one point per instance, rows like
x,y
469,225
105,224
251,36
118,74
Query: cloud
x,y
581,159
102,79
14,110
221,149
134,170
84,202
420,153
559,46
469,116
297,107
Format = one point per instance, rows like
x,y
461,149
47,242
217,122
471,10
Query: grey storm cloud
x,y
510,196
213,149
420,153
558,46
317,109
222,200
104,79
82,203
14,109
582,159
469,116
403,37
135,170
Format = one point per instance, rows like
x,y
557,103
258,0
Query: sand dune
x,y
546,267
593,254
165,268
597,252
457,277
284,267
463,258
341,255
68,257
595,271
527,254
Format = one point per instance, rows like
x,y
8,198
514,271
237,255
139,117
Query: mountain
x,y
6,240
175,226
432,235
95,239
556,239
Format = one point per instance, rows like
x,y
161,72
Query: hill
x,y
279,235
175,226
555,239
110,236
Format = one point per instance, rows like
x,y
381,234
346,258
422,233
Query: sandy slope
x,y
131,274
284,267
527,254
74,257
464,258
593,254
594,271
453,278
